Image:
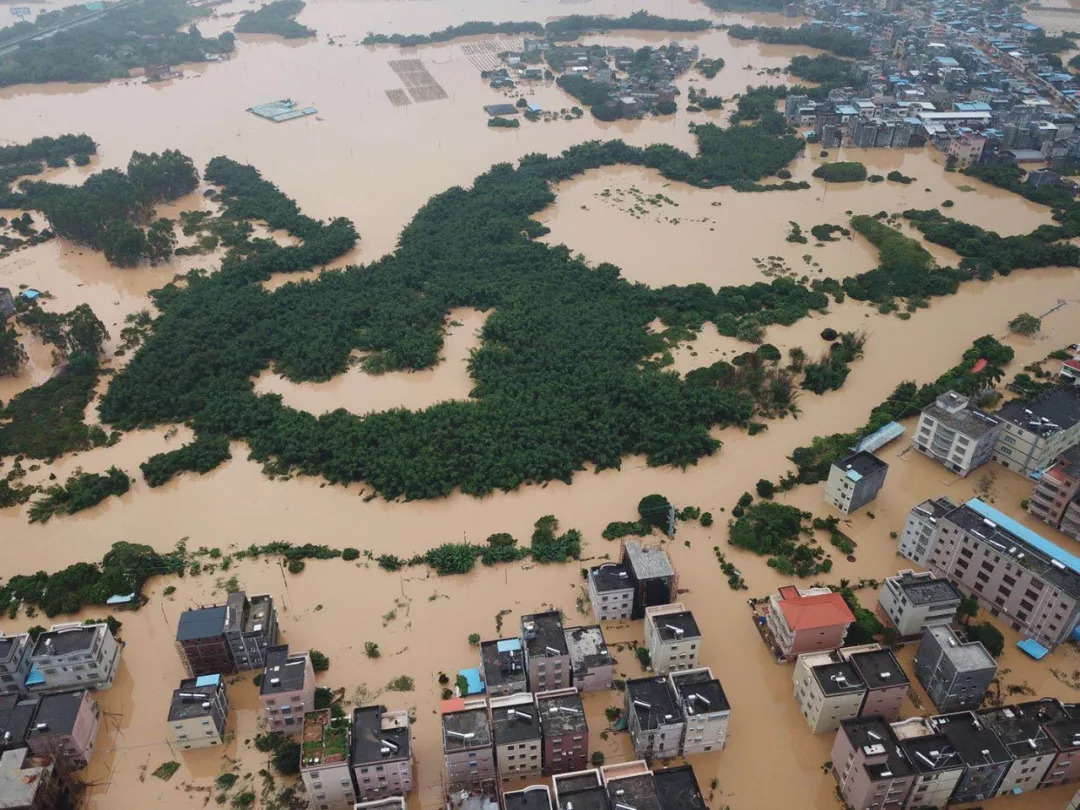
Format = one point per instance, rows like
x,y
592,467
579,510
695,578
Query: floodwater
x,y
376,164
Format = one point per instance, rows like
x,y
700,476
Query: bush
x,y
286,758
371,649
597,759
319,662
765,488
841,172
547,547
474,639
655,510
706,519
990,637
295,566
643,657
226,781
1025,324
829,334
350,554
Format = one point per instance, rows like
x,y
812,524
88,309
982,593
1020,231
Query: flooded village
x,y
810,494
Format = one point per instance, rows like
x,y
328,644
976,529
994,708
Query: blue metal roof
x,y
1033,648
881,437
1026,534
508,644
853,475
473,681
35,677
208,680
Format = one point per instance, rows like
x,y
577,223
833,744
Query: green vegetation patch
x,y
842,171
201,456
275,18
81,491
165,770
837,41
781,533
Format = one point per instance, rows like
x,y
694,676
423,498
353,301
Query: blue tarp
x,y
120,599
35,677
208,680
881,437
1026,534
473,681
508,644
1033,648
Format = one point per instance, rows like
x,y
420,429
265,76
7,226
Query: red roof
x,y
980,364
810,612
1073,364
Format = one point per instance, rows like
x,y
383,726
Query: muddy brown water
x,y
376,163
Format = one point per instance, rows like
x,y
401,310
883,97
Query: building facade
x,y
381,753
14,663
672,638
1056,490
886,682
956,434
324,762
870,770
810,620
251,627
30,782
938,768
287,689
920,529
66,725
705,709
654,718
827,689
592,662
611,592
986,757
1021,731
1038,431
467,743
516,730
547,655
955,674
201,642
73,656
913,601
565,731
653,575
854,481
199,712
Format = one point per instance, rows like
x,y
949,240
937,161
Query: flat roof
x,y
323,742
638,792
648,562
16,715
700,692
675,626
863,463
545,638
8,644
926,590
966,656
870,734
57,712
837,678
536,797
588,649
66,640
1020,729
1068,464
590,798
932,753
375,740
290,671
955,411
610,577
515,723
19,773
562,714
502,666
1060,407
977,744
188,700
659,700
678,789
201,623
879,669
473,722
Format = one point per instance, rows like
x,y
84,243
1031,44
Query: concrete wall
x,y
822,712
395,779
330,787
519,761
470,766
705,732
1025,774
933,789
611,605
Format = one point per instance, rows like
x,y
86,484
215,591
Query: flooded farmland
x,y
377,163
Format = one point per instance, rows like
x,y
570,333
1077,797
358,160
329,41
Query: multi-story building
x,y
199,712
828,690
672,638
1011,570
287,689
956,434
810,620
201,642
677,789
1038,431
14,663
29,782
1031,749
503,664
854,481
654,578
986,758
886,682
955,674
582,790
324,762
1056,488
467,743
16,718
250,627
630,784
592,662
537,797
938,768
1061,721
871,771
65,725
1070,521
565,731
920,529
914,601
705,709
654,718
516,728
611,591
381,753
73,656
546,652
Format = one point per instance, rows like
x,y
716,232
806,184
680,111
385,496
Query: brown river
x,y
376,163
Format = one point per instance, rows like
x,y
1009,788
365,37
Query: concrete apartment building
x,y
565,731
870,770
886,682
324,762
1056,490
537,797
14,663
654,718
956,434
546,653
827,689
654,578
73,656
920,529
705,709
201,643
381,753
672,638
913,601
16,717
938,768
955,674
986,758
582,790
1020,730
631,784
65,725
516,729
29,782
1037,432
810,620
611,591
287,689
1061,722
467,742
251,626
854,481
592,662
199,712
503,664
678,789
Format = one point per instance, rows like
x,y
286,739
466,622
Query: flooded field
x,y
376,163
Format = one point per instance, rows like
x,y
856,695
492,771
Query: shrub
x,y
402,683
319,662
765,488
829,334
350,554
643,657
286,758
1025,324
655,510
990,637
706,519
371,649
474,639
296,566
597,758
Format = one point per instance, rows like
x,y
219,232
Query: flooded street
x,y
375,163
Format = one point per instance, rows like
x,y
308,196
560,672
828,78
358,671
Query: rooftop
x,y
879,669
283,672
1061,722
578,780
587,648
965,656
201,623
936,508
516,722
700,692
66,640
931,753
323,743
1020,728
638,792
464,728
648,562
8,645
590,798
875,738
611,577
838,678
861,464
193,699
1055,410
379,736
536,797
16,715
1067,465
19,777
562,713
678,789
653,701
811,612
257,613
954,410
675,626
503,661
976,743
543,634
926,590
56,714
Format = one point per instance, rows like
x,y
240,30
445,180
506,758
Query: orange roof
x,y
452,705
809,612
